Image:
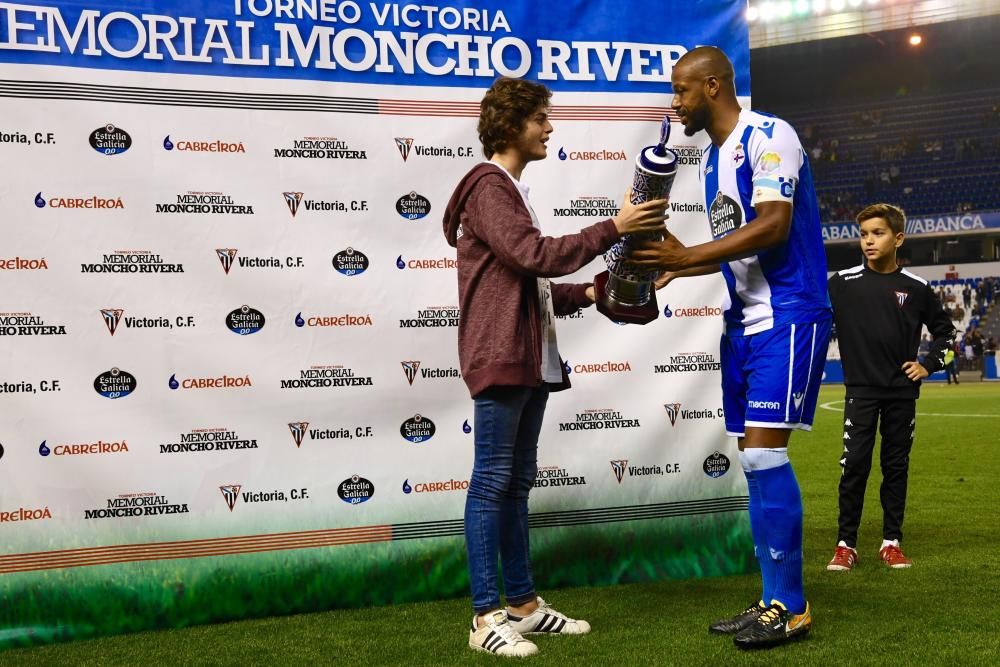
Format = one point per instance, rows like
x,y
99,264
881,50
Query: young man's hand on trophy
x,y
647,217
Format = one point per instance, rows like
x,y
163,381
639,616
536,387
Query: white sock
x,y
842,543
886,543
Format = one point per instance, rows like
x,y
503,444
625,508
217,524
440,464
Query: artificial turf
x,y
944,609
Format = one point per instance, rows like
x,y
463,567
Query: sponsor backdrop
x,y
228,314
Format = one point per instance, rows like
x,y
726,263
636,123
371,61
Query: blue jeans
x,y
507,423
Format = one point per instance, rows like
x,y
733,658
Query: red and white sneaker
x,y
893,556
844,559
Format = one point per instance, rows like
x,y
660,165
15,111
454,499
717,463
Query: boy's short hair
x,y
505,108
893,215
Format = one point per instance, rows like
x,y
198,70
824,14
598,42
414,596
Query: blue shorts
x,y
771,379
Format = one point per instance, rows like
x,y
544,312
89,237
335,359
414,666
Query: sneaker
x,y
496,636
547,620
730,626
775,625
844,560
893,556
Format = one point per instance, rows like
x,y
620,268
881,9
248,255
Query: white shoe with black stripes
x,y
496,635
546,620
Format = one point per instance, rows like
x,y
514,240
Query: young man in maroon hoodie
x,y
508,351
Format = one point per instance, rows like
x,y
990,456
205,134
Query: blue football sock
x,y
781,502
758,528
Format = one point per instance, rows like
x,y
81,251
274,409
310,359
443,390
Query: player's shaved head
x,y
705,61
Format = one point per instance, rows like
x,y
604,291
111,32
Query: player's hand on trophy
x,y
591,294
645,217
666,255
664,279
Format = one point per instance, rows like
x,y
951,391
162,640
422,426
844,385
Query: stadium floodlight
x,y
752,14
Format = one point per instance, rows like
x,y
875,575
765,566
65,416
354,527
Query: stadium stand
x,y
929,153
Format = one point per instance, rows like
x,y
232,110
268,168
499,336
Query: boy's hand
x,y
914,370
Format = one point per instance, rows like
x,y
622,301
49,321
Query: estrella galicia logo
x,y
355,490
413,206
403,145
226,257
724,215
350,262
110,140
231,493
293,199
298,430
417,429
115,383
716,465
245,321
112,317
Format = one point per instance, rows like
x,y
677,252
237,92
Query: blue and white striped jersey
x,y
762,160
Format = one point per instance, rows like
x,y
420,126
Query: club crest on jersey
x,y
901,298
738,155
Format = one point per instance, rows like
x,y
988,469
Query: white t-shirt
x,y
550,368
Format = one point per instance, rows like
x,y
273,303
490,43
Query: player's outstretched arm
x,y
768,229
668,277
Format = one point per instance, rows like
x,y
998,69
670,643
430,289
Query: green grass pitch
x,y
944,610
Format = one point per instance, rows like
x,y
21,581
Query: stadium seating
x,y
952,161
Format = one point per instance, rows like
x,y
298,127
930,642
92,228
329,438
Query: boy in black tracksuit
x,y
879,310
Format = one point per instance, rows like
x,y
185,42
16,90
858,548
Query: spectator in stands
x,y
924,348
957,313
967,297
991,346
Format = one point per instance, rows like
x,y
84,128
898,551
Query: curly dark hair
x,y
505,108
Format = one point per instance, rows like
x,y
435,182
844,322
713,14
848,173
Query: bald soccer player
x,y
767,244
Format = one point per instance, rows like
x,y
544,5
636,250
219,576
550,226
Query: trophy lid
x,y
659,158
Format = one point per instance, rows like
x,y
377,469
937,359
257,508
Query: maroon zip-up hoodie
x,y
500,255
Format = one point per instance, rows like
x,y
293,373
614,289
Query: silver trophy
x,y
624,292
